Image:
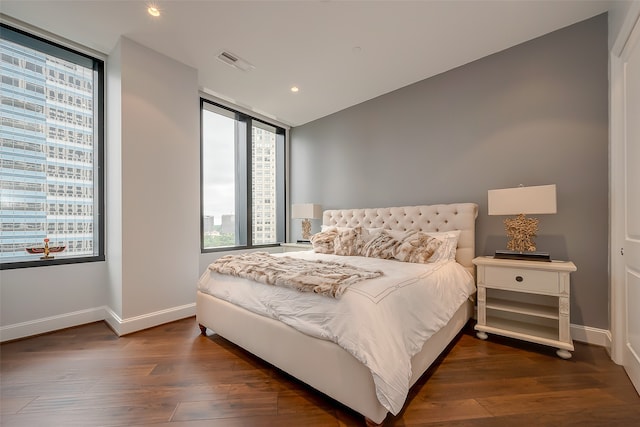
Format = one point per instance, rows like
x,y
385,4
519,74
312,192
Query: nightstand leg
x,y
563,354
483,335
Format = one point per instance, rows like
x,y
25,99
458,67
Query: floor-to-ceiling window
x,y
242,180
51,127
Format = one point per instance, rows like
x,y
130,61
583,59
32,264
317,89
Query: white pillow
x,y
327,227
334,227
369,234
447,250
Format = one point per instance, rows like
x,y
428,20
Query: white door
x,y
625,191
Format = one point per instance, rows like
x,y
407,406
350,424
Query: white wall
x,y
43,299
152,212
160,195
113,191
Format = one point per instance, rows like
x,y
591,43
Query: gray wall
x,y
533,114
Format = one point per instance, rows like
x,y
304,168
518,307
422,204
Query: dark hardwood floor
x,y
173,376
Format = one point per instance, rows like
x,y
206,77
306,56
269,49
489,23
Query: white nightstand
x,y
528,300
295,247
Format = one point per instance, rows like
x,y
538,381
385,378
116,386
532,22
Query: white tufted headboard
x,y
456,216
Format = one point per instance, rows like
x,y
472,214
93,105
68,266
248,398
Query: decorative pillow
x,y
446,251
348,242
323,242
401,235
418,248
368,234
383,246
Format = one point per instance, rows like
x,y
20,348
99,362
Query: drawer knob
x,y
519,278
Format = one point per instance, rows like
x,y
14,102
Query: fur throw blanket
x,y
322,277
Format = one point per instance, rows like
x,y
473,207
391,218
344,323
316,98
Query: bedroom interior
x,y
542,110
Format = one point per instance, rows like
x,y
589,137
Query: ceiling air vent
x,y
235,61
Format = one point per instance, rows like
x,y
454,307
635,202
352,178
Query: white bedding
x,y
382,322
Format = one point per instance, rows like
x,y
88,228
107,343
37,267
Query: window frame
x,y
50,45
246,216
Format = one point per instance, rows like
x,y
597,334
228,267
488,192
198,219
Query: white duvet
x,y
382,322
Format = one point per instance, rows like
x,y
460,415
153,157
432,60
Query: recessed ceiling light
x,y
153,10
295,89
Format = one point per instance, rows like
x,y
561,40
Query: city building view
x,y
47,149
264,186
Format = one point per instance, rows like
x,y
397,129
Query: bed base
x,y
335,372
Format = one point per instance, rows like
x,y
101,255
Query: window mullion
x,y
249,188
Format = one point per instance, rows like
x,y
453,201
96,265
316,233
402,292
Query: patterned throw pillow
x,y
348,242
322,242
383,246
401,235
418,248
447,251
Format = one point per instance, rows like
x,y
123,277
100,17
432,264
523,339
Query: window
x,y
51,175
242,180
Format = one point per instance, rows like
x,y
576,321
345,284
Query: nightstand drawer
x,y
522,279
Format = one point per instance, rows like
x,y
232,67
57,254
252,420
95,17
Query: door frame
x,y
628,35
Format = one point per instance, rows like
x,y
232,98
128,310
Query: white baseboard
x,y
589,335
82,317
49,324
149,320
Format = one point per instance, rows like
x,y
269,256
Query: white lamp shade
x,y
540,199
306,211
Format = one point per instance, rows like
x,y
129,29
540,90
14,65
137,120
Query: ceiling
x,y
339,53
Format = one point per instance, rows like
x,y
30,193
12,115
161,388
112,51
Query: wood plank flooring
x,y
172,376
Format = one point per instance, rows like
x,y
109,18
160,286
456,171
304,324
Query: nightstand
x,y
527,300
295,247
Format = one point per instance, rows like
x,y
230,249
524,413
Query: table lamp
x,y
521,230
306,212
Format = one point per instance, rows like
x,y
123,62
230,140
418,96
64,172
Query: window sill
x,y
45,263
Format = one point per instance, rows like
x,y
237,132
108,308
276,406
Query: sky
x,y
218,172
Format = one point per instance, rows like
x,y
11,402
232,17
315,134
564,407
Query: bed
x,y
322,362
